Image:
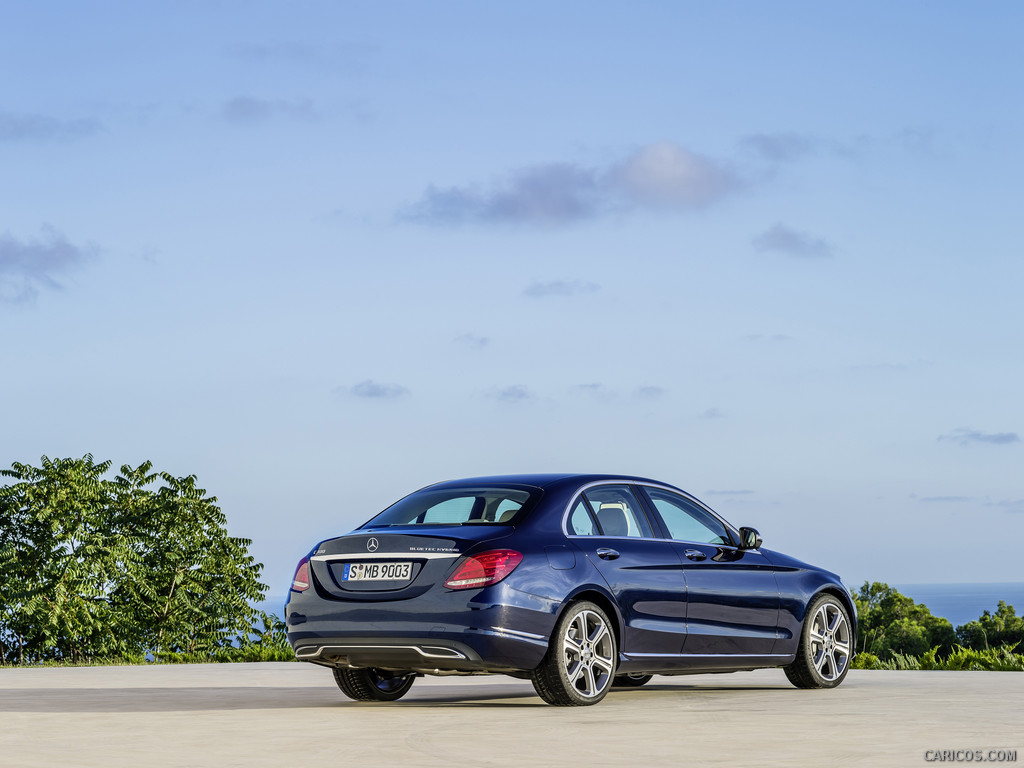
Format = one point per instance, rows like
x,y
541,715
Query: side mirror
x,y
750,538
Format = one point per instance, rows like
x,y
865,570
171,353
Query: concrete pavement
x,y
292,714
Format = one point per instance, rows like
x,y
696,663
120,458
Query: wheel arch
x,y
600,598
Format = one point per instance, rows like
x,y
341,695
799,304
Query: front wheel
x,y
826,646
579,666
373,684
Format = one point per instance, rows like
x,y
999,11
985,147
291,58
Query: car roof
x,y
540,480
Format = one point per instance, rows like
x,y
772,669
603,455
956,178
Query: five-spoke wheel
x,y
580,663
826,645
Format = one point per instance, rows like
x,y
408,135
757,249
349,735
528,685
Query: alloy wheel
x,y
588,650
829,636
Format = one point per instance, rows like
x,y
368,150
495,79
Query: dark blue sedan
x,y
578,583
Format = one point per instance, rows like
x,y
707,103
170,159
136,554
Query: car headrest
x,y
612,518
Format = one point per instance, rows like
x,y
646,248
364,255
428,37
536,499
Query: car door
x,y
608,524
732,594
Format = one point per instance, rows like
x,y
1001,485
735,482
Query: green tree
x,y
189,585
904,636
97,568
1004,627
891,623
58,564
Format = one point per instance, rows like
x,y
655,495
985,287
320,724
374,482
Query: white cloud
x,y
662,176
965,436
1016,506
517,393
793,242
539,290
544,195
665,175
247,109
27,265
375,390
780,147
649,392
20,127
472,341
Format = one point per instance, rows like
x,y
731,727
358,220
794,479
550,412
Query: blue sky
x,y
322,254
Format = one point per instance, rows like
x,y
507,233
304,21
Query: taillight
x,y
300,582
484,569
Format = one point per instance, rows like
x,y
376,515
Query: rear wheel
x,y
633,680
823,656
579,666
373,684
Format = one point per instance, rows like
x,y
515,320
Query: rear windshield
x,y
455,506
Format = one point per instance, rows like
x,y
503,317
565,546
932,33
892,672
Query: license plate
x,y
377,572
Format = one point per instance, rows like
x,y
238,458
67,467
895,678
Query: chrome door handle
x,y
607,554
695,554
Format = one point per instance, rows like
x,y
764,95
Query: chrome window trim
x,y
618,538
579,491
733,547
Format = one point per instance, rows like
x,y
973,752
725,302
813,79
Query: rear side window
x,y
618,511
456,506
581,523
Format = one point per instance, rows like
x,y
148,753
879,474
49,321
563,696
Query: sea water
x,y
961,603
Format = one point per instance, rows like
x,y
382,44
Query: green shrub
x,y
267,642
865,661
1002,659
899,661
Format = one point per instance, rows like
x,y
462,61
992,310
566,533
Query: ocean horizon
x,y
960,603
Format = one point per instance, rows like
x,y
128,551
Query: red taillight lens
x,y
484,569
300,583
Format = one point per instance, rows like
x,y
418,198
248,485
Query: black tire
x,y
826,645
631,681
579,667
373,684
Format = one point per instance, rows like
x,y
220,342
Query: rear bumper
x,y
503,631
472,651
432,656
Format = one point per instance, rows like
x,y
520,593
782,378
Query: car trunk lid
x,y
373,564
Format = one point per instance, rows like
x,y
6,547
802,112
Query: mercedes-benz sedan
x,y
578,583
